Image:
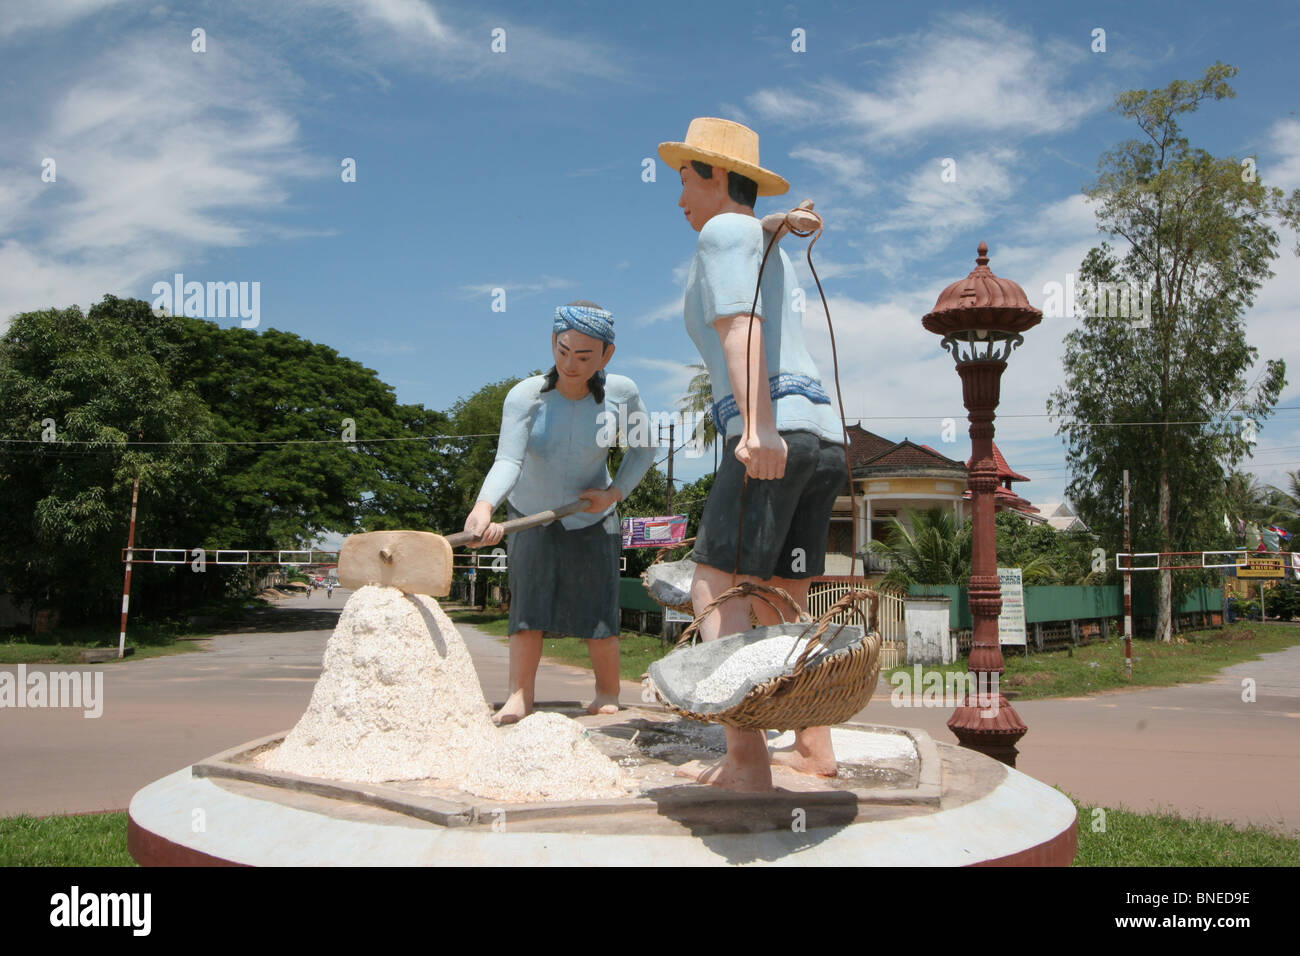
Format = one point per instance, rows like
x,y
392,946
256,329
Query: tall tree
x,y
242,440
1199,241
88,403
477,417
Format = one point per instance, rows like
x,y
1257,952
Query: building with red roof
x,y
892,478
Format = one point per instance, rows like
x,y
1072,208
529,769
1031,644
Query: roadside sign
x,y
1265,566
654,532
1011,622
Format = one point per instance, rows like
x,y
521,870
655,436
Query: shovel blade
x,y
417,562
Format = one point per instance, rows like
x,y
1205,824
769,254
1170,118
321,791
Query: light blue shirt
x,y
553,448
721,283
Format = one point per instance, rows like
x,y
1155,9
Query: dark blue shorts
x,y
786,519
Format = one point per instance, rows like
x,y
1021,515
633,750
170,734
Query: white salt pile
x,y
752,664
547,757
399,699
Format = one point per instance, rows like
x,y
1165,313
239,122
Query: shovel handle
x,y
520,524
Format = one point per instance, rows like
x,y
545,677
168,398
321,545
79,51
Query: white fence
x,y
889,618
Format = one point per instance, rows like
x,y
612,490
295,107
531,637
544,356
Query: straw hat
x,y
720,142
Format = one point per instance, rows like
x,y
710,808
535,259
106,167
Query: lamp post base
x,y
992,731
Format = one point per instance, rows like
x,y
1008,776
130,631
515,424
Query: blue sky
x,y
522,170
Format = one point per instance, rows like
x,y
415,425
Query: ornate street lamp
x,y
981,318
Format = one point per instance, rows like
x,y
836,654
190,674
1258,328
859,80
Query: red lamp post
x,y
981,318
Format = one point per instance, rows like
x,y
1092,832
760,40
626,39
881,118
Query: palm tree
x,y
1245,499
699,398
1286,504
933,551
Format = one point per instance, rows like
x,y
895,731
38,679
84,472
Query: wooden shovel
x,y
419,562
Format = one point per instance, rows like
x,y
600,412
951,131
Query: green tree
x,y
1198,238
647,500
241,439
478,418
1045,555
88,403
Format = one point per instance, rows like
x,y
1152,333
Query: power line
x,y
289,441
107,446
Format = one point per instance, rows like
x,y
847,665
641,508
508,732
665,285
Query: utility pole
x,y
126,585
671,428
1128,588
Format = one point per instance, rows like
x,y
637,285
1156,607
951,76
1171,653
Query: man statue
x,y
784,453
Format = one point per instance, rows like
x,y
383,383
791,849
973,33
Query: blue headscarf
x,y
597,323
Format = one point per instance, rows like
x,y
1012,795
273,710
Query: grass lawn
x,y
17,652
1123,838
1100,666
1129,839
635,651
91,839
149,638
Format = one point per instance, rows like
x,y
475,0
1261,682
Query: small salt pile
x,y
753,664
547,757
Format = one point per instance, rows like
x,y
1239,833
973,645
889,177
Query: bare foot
x,y
513,710
604,704
726,774
790,758
811,753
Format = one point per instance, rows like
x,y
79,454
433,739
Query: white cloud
x,y
928,202
1284,139
161,155
967,73
784,106
17,15
846,170
514,289
670,309
664,389
406,15
460,49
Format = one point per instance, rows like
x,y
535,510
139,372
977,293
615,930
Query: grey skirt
x,y
565,581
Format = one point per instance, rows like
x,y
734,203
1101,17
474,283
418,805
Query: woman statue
x,y
555,438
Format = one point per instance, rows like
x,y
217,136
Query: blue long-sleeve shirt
x,y
553,448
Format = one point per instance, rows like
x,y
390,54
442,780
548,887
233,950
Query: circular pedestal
x,y
901,800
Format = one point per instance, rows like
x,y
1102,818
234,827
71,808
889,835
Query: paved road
x,y
1198,749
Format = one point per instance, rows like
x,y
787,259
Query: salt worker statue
x,y
785,436
564,577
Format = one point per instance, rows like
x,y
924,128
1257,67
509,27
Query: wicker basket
x,y
832,679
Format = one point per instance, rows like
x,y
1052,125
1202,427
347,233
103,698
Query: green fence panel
x,y
1199,599
1071,603
633,596
1045,603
